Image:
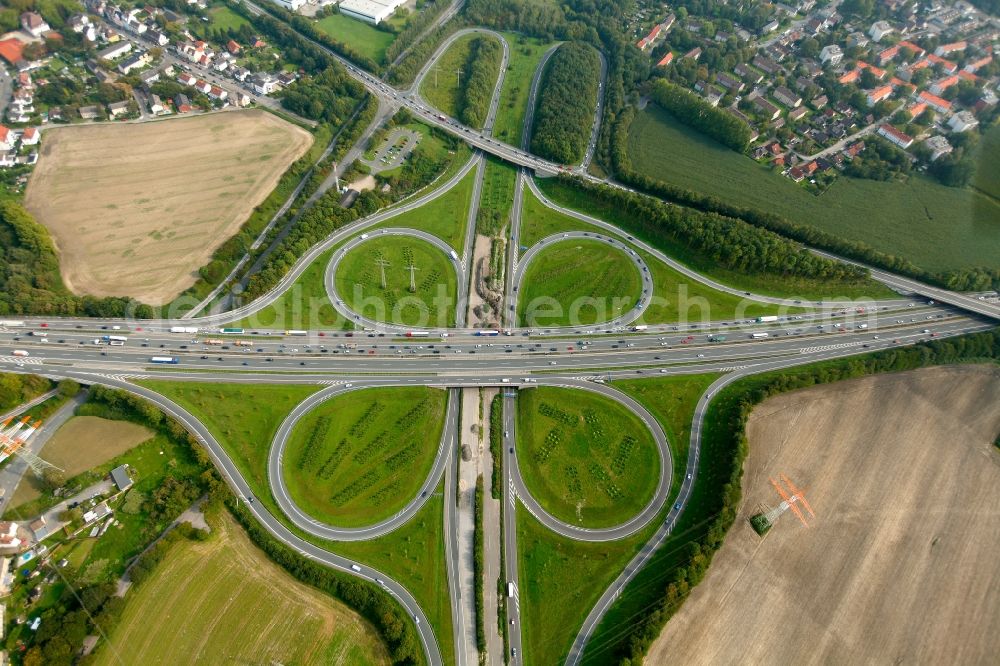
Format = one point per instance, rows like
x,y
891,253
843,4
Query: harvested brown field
x,y
136,209
899,563
223,601
80,444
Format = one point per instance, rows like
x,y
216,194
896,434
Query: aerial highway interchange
x,y
378,353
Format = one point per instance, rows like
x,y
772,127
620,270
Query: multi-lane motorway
x,y
580,357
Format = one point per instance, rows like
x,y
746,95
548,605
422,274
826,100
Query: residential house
x,y
8,138
797,113
787,97
88,112
233,47
215,92
916,109
850,77
935,102
947,65
978,63
183,103
263,84
954,47
116,109
857,40
33,24
748,73
156,105
916,50
962,121
203,86
196,52
938,146
879,30
729,83
150,76
115,50
854,149
888,54
941,85
157,38
879,94
186,79
893,135
819,102
771,26
242,99
694,53
30,136
831,55
877,72
713,95
134,61
766,64
768,110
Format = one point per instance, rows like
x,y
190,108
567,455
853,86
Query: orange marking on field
x,y
789,500
801,495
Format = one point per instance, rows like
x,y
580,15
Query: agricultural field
x,y
81,443
589,283
223,600
441,87
359,458
445,216
586,459
140,223
894,529
366,39
431,302
938,228
525,54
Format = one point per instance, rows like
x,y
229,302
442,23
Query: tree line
x,y
726,241
695,112
482,66
327,215
970,279
724,448
565,113
415,27
30,282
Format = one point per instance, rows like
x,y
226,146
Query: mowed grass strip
x,y
366,39
444,217
938,228
525,54
361,457
578,282
304,305
442,86
139,223
81,443
224,601
585,458
243,417
432,302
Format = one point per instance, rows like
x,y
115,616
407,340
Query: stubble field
x,y
899,563
223,601
136,209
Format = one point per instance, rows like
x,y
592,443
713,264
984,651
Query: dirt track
x,y
899,564
136,209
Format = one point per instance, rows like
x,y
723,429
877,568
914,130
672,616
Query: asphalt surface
x,y
513,618
526,358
